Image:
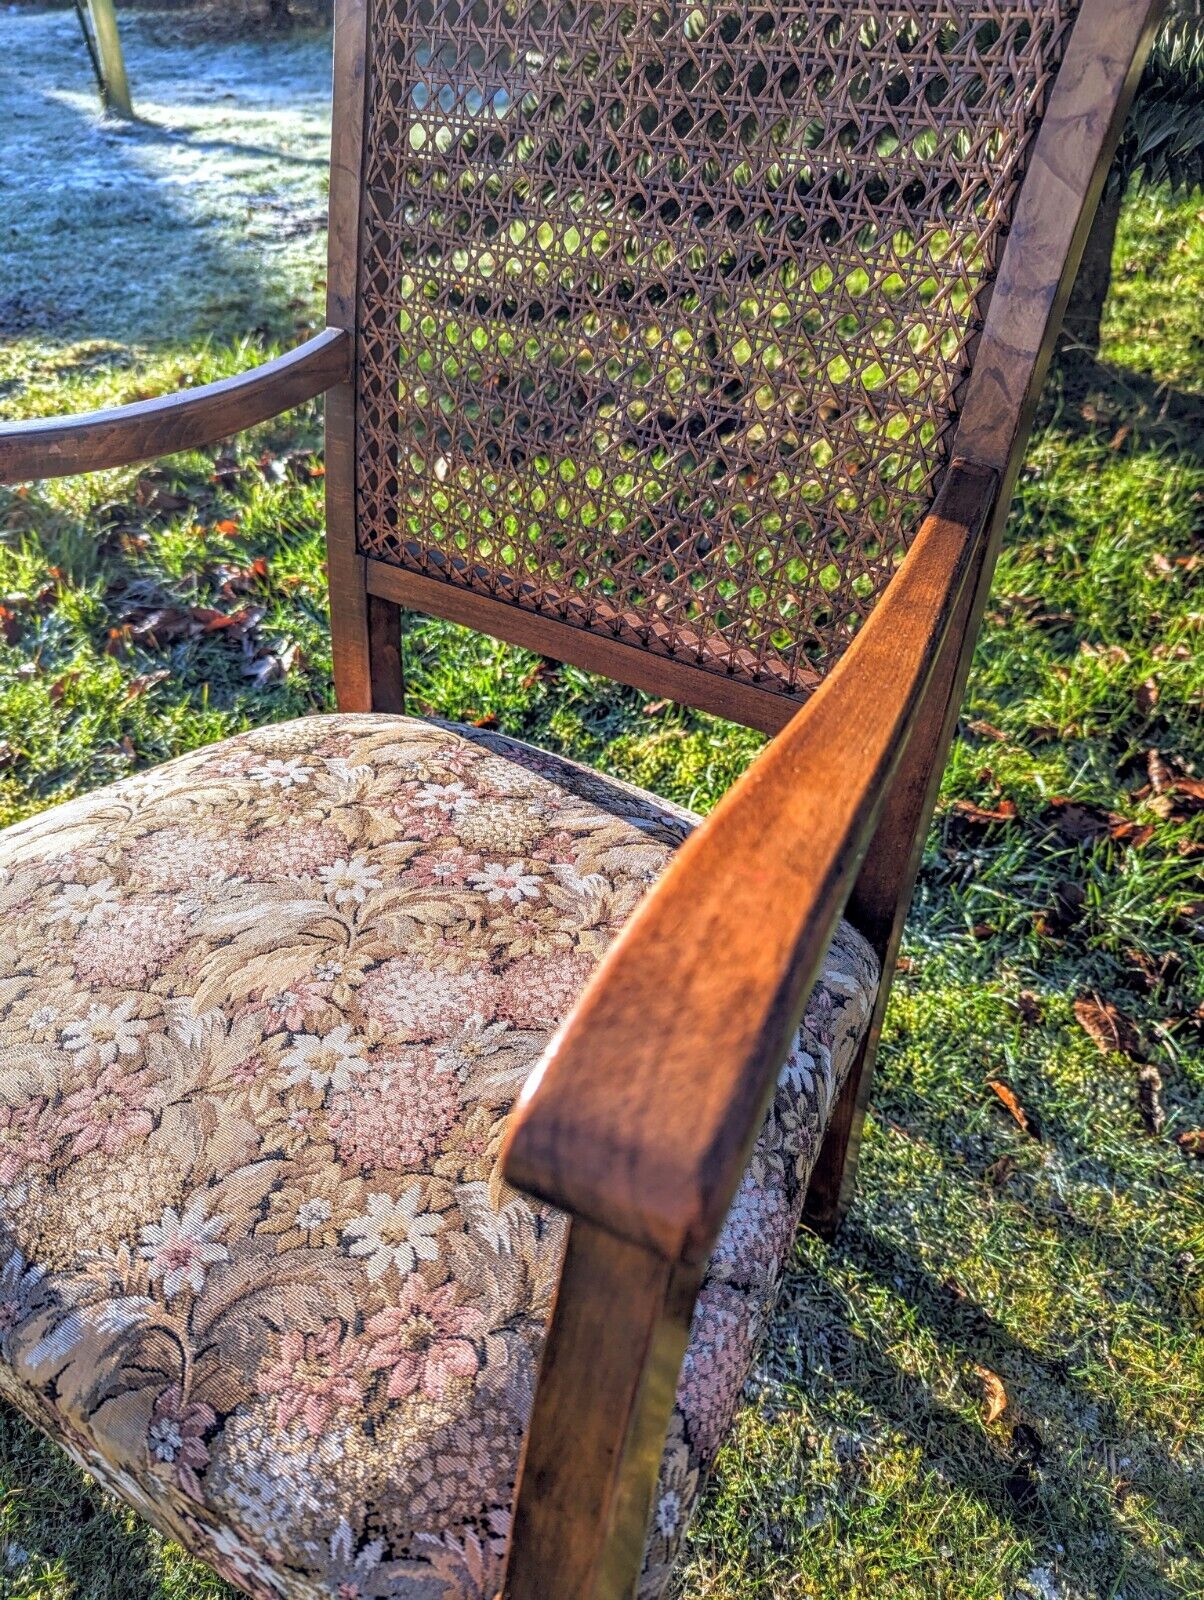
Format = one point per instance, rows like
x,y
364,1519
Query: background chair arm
x,y
643,1112
56,447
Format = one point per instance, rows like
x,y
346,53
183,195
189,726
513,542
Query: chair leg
x,y
384,656
881,898
834,1176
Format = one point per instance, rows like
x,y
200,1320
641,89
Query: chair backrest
x,y
664,309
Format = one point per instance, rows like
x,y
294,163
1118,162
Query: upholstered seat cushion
x,y
263,1013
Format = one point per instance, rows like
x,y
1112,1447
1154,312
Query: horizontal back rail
x,y
640,667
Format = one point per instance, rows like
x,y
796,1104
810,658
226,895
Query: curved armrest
x,y
642,1115
56,447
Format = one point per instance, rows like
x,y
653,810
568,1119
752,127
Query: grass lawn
x,y
145,612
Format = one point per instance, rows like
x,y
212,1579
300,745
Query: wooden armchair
x,y
699,349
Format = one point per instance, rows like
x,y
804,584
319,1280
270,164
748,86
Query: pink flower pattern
x,y
398,1117
111,1112
425,1341
313,1376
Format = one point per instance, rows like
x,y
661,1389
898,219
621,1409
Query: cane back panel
x,y
664,307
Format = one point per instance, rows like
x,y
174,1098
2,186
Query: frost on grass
x,y
206,216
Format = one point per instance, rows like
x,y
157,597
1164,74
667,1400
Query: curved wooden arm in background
x,y
56,447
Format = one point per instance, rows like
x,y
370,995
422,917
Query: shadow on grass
x,y
1129,411
105,243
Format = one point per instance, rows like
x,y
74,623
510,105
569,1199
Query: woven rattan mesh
x,y
664,308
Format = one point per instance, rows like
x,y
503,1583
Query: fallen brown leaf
x,y
1007,1095
1079,822
150,495
1029,1006
984,816
1149,1098
59,688
1154,973
995,1397
1159,772
543,669
1133,834
1064,911
1145,696
998,1173
1109,1029
143,682
1192,1143
987,730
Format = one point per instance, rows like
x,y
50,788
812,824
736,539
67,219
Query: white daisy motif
x,y
668,1513
324,1061
79,903
447,796
314,1213
500,883
394,1233
470,1042
349,880
181,1249
243,1560
105,1033
277,774
798,1073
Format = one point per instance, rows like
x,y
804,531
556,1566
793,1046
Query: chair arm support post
x,y
57,447
644,1110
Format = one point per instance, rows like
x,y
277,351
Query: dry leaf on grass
x,y
986,730
998,1173
1082,823
1149,1098
1064,910
984,816
143,682
1145,696
1029,1006
1024,1120
995,1396
1109,1029
1192,1143
543,669
1155,974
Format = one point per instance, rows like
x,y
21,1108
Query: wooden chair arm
x,y
642,1115
56,447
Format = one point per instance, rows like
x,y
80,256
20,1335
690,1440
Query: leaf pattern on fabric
x,y
263,1015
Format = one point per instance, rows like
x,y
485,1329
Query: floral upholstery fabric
x,y
263,1014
